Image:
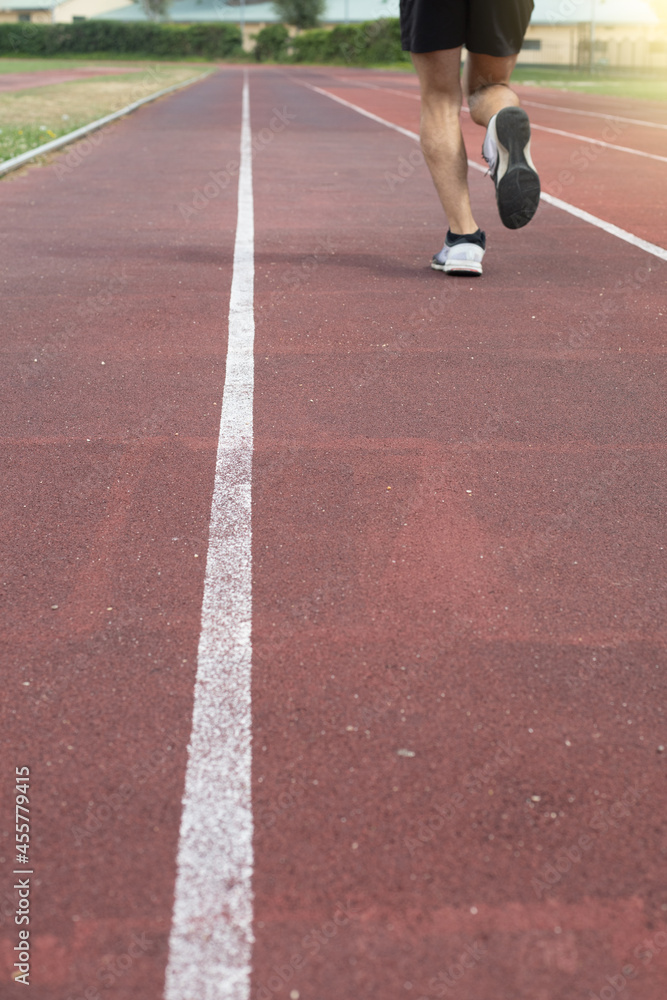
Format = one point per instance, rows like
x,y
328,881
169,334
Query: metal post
x,y
591,65
243,24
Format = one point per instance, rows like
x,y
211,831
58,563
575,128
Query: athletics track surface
x,y
457,489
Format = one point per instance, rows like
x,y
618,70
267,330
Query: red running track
x,y
457,509
621,187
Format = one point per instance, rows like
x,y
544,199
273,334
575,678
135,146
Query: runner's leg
x,y
495,106
441,138
486,84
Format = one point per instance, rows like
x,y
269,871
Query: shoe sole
x,y
471,267
517,183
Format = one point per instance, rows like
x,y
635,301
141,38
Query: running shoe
x,y
507,151
461,254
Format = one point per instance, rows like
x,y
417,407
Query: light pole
x,y
242,24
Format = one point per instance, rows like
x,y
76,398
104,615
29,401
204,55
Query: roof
x,y
341,11
337,11
28,4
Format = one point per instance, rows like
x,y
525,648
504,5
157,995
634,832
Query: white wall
x,y
64,12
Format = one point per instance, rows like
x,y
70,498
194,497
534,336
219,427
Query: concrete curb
x,y
64,140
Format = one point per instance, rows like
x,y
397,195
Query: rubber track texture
x,y
458,527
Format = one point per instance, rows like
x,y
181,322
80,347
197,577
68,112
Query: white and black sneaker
x,y
507,151
461,254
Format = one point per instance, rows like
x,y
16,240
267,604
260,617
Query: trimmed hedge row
x,y
369,42
208,40
271,43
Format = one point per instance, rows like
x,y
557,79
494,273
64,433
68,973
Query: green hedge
x,y
369,42
271,43
353,44
208,40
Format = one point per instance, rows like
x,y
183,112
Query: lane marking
x,y
361,111
540,128
78,133
598,142
594,114
531,104
211,937
375,86
608,227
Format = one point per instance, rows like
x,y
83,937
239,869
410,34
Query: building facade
x,y
610,34
603,34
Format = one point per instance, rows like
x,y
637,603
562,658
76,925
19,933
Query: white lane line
x,y
540,128
598,142
608,227
361,111
375,86
530,104
211,937
594,114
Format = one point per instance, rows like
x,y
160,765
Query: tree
x,y
300,13
155,9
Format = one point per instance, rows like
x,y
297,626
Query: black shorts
x,y
488,27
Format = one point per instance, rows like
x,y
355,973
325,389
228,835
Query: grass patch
x,y
641,88
28,65
15,140
33,64
31,117
609,85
